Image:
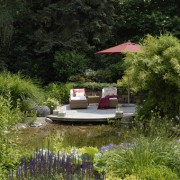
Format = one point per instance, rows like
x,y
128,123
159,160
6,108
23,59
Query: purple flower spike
x,y
43,164
106,148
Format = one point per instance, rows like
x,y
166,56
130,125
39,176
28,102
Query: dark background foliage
x,y
32,31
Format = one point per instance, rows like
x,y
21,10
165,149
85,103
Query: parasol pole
x,y
128,91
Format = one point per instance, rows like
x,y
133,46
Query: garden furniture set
x,y
79,100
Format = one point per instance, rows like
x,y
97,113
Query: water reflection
x,y
78,135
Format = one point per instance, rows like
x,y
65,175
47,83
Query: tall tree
x,y
50,26
42,27
137,18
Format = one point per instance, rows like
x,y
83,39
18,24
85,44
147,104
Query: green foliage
x,y
155,125
52,103
59,92
155,71
32,118
105,68
157,17
160,173
95,85
6,26
9,116
77,78
103,76
30,46
20,88
69,63
160,156
9,153
54,142
52,90
27,105
109,71
65,93
90,151
110,176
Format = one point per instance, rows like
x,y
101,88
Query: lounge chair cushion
x,y
109,98
79,100
109,92
79,92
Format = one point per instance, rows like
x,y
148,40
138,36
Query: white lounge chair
x,y
111,93
78,99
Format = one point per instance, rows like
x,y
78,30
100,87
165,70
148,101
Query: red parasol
x,y
128,46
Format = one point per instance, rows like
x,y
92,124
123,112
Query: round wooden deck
x,y
92,114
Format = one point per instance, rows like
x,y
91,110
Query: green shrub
x,y
65,92
103,76
160,173
155,71
77,78
59,92
68,63
52,90
9,116
52,103
110,176
155,125
96,85
90,151
144,153
20,88
27,105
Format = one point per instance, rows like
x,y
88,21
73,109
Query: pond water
x,y
77,135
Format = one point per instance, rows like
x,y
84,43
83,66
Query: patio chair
x,y
109,98
78,99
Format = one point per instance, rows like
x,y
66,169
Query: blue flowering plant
x,y
46,165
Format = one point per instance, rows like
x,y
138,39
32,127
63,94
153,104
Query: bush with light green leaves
x,y
155,72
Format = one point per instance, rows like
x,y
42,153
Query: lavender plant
x,y
46,165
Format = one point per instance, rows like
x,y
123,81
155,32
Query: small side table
x,y
93,99
119,114
59,112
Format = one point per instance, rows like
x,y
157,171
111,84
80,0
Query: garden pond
x,y
73,135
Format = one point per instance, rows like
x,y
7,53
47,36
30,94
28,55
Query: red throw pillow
x,y
79,91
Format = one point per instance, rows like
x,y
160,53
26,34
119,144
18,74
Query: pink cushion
x,y
79,91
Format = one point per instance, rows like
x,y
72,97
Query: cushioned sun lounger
x,y
78,99
109,98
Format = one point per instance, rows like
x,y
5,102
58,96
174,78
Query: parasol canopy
x,y
128,46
